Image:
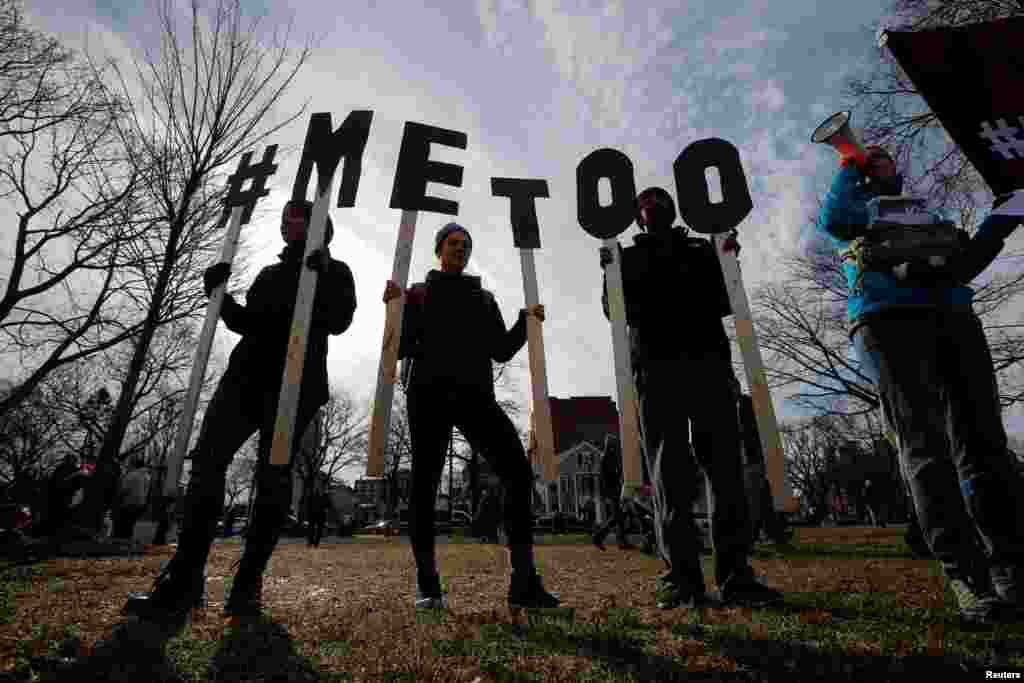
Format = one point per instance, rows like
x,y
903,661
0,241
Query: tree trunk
x,y
474,482
94,504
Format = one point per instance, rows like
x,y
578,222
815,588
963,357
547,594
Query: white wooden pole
x,y
386,372
291,382
201,360
538,370
767,426
629,434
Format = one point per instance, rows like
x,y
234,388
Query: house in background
x,y
580,425
371,499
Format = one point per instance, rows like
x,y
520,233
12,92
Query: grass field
x,y
857,604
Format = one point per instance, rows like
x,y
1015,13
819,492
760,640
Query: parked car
x,y
385,527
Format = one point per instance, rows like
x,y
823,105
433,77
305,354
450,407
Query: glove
x,y
318,260
214,276
731,243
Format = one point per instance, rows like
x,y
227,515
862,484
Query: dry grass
x,y
344,612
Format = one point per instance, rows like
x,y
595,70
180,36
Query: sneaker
x,y
976,603
174,595
744,590
598,540
673,594
1006,580
527,592
429,595
245,601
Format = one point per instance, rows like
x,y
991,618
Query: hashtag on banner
x,y
258,174
1004,138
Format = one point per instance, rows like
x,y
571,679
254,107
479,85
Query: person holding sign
x,y
245,402
918,339
452,330
675,300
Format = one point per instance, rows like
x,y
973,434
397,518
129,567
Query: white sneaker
x,y
431,602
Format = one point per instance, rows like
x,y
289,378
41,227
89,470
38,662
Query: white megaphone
x,y
836,132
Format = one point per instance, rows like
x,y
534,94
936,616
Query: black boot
x,y
181,585
526,591
176,592
268,517
245,600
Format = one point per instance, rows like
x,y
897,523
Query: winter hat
x,y
448,229
307,211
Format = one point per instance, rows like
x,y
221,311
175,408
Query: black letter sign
x,y
605,222
415,169
695,207
522,192
325,149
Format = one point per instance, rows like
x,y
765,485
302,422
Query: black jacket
x,y
453,330
675,296
265,324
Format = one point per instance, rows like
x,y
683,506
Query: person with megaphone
x,y
917,338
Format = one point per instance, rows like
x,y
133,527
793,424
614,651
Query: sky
x,y
537,86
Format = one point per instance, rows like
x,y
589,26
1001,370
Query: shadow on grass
x,y
621,648
258,651
617,649
262,651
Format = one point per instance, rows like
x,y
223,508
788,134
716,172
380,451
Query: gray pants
x,y
678,396
935,376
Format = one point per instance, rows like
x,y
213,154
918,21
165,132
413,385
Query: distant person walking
x,y
131,499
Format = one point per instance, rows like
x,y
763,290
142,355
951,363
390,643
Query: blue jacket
x,y
844,218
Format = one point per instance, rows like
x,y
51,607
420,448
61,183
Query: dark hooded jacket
x,y
675,296
265,322
453,330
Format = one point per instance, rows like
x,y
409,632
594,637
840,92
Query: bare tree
x,y
397,452
239,479
339,440
894,113
207,95
811,450
64,176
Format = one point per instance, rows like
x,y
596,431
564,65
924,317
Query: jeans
x,y
678,396
935,377
232,416
433,411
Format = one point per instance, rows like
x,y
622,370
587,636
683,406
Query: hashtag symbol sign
x,y
258,174
1004,138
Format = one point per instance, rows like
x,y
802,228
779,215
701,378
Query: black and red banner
x,y
972,77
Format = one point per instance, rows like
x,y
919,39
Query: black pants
x,y
316,530
432,413
678,396
935,375
234,413
125,518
